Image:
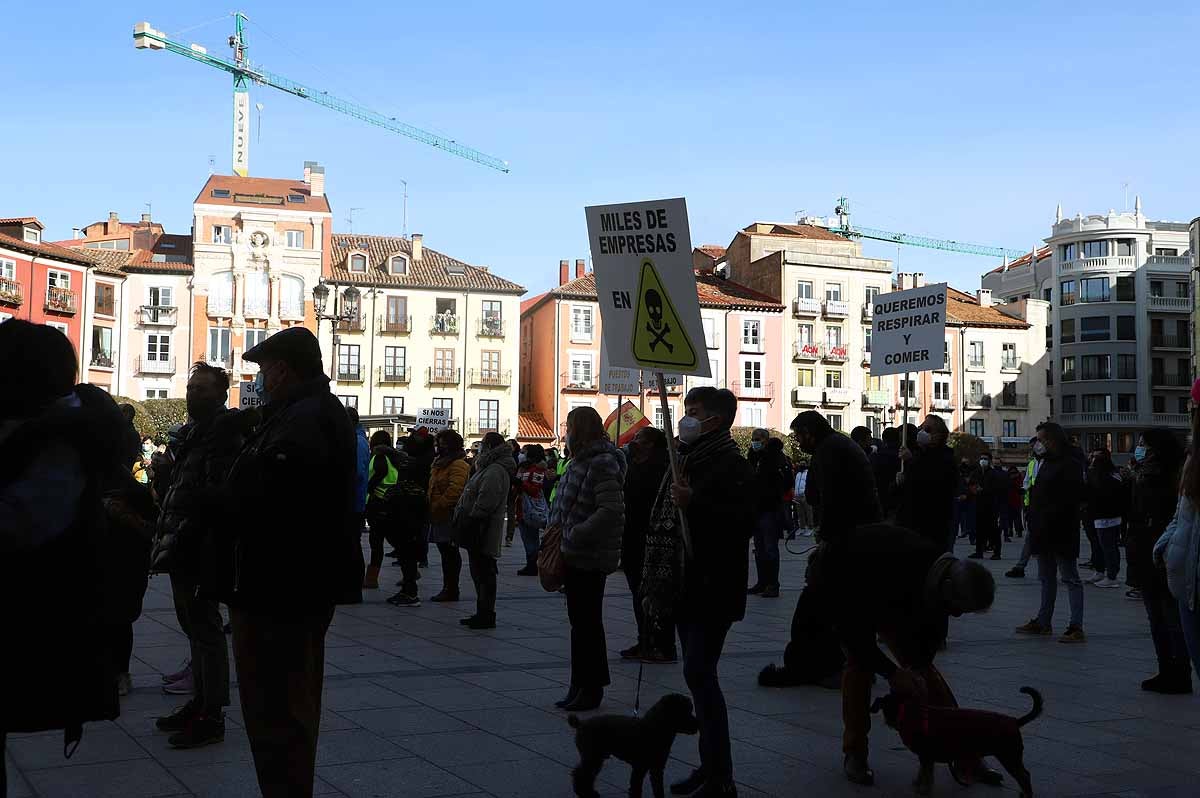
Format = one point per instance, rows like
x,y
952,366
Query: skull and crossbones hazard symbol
x,y
656,326
660,337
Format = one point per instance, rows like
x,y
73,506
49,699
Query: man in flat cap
x,y
290,556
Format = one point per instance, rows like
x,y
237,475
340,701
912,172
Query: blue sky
x,y
957,120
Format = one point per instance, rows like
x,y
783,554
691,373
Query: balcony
x,y
1170,342
1016,401
1170,381
942,405
256,310
354,325
762,391
868,311
1128,418
220,361
1170,261
806,351
835,354
443,375
806,307
443,324
490,378
1010,364
1108,264
1171,304
158,315
990,440
401,326
876,400
102,360
393,375
976,365
837,309
912,402
977,401
1013,441
60,300
491,327
349,373
807,396
10,292
145,365
477,427
581,383
291,311
220,306
837,397
1170,419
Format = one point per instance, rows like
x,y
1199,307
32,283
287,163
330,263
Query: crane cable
x,y
181,31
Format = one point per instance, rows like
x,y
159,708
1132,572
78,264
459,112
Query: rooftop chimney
x,y
113,224
985,297
918,279
580,268
76,232
316,181
564,271
417,247
146,218
308,165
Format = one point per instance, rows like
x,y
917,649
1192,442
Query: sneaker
x,y
1032,627
185,686
125,684
1074,634
1104,582
203,730
404,600
470,619
633,652
1016,572
179,719
445,595
184,670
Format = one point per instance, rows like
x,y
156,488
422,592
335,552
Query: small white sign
x,y
433,418
248,396
617,380
908,330
642,252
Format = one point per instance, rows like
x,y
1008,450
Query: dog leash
x,y
637,696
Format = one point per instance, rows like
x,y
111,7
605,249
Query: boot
x,y
1171,680
530,568
371,578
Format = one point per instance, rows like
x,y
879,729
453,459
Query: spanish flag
x,y
632,420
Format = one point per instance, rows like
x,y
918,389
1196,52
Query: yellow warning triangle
x,y
659,337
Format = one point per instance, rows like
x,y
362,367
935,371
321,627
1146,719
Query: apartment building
x,y
560,353
1119,288
422,330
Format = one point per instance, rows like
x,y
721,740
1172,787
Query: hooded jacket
x,y
447,478
485,498
590,508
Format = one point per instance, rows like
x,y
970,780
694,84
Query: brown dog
x,y
951,734
645,743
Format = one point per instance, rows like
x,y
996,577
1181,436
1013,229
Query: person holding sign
x,y
928,485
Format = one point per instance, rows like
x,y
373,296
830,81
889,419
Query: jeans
x,y
767,532
1190,622
531,537
1048,567
200,620
585,610
804,513
702,642
1112,553
1025,554
483,573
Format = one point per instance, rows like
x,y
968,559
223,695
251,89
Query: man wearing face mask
x,y
291,557
992,485
928,485
840,481
772,478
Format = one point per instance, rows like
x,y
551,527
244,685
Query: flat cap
x,y
295,345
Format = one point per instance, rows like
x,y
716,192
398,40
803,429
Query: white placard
x,y
617,380
433,418
908,330
248,395
642,256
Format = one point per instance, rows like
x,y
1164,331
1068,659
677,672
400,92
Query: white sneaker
x,y
1107,583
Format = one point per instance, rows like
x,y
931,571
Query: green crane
x,y
845,228
245,72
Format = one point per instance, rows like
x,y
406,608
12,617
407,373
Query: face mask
x,y
923,438
756,445
690,429
1039,449
521,458
260,384
147,448
984,463
1139,454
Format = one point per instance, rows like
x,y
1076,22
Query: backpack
x,y
534,511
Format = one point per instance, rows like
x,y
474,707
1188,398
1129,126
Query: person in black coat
x,y
773,478
885,464
929,485
840,481
648,464
991,489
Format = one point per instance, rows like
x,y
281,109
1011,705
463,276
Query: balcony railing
x,y
868,311
102,360
394,326
1170,342
1173,304
1019,401
1176,261
912,402
490,378
394,375
835,354
876,399
1010,364
977,401
292,311
220,361
220,306
491,327
762,390
1111,263
837,308
441,375
569,382
11,292
807,396
1169,419
443,324
837,396
351,325
942,404
349,373
60,300
477,427
1128,418
976,364
806,350
162,315
1170,380
256,310
806,306
145,365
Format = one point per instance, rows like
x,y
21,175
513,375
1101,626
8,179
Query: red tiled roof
x,y
43,250
712,291
972,314
1042,253
961,296
261,187
434,270
125,261
794,230
529,303
714,251
24,220
534,427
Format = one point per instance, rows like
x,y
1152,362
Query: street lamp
x,y
349,313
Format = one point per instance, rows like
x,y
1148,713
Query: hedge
x,y
155,417
742,436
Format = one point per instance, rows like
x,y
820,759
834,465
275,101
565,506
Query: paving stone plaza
x,y
418,706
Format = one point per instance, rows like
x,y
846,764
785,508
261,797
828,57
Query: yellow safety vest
x,y
388,481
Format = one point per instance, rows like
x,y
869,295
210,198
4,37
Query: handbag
x,y
534,511
552,569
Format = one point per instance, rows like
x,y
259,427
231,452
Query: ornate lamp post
x,y
350,312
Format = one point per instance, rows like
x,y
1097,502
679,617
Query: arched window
x,y
291,297
220,294
358,262
398,265
255,304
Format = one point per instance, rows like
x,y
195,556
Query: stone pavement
x,y
418,706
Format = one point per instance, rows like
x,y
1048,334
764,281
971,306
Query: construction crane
x,y
245,72
844,227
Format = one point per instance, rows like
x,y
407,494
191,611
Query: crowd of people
x,y
86,497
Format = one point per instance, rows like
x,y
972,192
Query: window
x,y
1125,289
1068,369
945,355
1127,403
1097,403
220,193
1126,328
1066,293
752,415
348,361
222,234
581,323
102,351
489,415
1158,404
156,393
1008,356
1010,427
348,400
804,289
752,374
975,354
116,243
220,293
1157,370
710,332
255,303
833,378
1181,290
835,421
1156,288
1067,331
909,387
1066,252
397,313
1170,252
976,427
1125,247
833,292
804,333
57,279
1047,294
393,405
1094,367
295,239
490,365
492,321
358,262
976,390
1126,367
833,336
291,297
398,264
8,269
1093,328
941,390
158,348
443,364
254,338
581,371
159,296
395,361
32,235
662,420
444,404
752,334
1069,403
105,299
867,340
218,345
804,378
298,198
871,292
1094,289
1095,249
